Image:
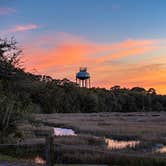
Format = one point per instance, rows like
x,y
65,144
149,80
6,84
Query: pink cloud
x,y
22,28
4,11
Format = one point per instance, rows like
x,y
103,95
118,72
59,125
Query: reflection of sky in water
x,y
39,160
111,144
162,149
114,144
63,132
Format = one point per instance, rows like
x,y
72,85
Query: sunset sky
x,y
122,42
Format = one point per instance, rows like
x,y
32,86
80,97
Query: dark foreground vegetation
x,y
75,156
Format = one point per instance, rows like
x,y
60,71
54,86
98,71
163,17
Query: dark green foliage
x,y
62,96
23,151
15,103
12,110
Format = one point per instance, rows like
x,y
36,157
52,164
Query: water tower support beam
x,y
89,83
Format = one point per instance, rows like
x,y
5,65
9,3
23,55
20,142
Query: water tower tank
x,y
83,77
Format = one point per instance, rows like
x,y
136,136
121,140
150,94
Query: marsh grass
x,y
4,157
105,158
149,128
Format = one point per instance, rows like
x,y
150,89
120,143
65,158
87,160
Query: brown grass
x,y
145,126
149,128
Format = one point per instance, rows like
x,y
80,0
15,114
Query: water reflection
x,y
114,144
39,160
162,149
63,132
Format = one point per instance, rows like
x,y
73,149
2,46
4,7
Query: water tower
x,y
83,78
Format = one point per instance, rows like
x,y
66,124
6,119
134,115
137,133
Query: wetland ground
x,y
103,138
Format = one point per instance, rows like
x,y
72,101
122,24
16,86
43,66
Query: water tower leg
x,y
79,83
86,83
89,83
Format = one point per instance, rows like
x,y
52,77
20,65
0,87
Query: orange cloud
x,y
68,50
124,53
143,74
152,75
61,55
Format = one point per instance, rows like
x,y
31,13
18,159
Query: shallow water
x,y
63,132
39,160
115,144
111,143
161,149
